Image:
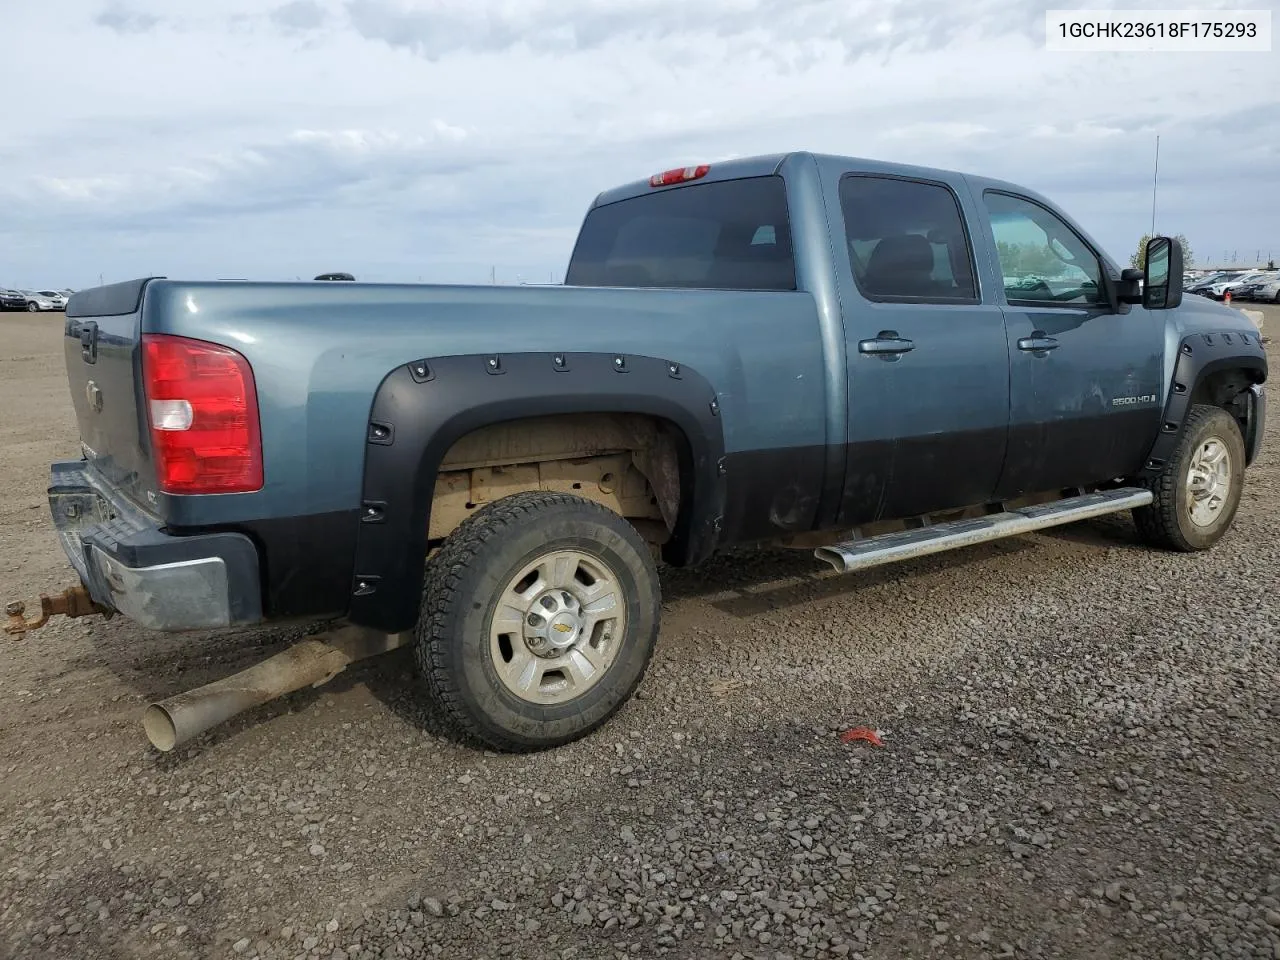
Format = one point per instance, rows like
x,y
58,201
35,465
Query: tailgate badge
x,y
93,393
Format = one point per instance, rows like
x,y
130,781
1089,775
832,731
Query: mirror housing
x,y
1129,286
1162,277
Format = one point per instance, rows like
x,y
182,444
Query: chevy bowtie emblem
x,y
562,627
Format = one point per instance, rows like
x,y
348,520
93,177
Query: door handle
x,y
89,341
886,343
1038,343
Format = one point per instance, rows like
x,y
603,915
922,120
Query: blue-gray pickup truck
x,y
867,360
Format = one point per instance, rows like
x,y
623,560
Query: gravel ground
x,y
1081,759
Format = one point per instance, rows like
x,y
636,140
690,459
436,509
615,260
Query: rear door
x,y
927,359
1085,379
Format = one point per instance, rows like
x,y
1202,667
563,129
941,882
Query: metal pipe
x,y
310,662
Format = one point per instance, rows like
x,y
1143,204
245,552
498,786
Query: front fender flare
x,y
1200,355
423,408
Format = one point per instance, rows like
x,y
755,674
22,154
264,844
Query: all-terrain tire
x,y
1167,522
458,651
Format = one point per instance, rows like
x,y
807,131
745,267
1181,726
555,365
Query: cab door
x,y
1085,378
927,359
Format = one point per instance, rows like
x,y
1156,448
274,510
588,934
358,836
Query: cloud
x,y
124,20
304,167
774,29
300,15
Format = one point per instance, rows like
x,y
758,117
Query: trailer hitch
x,y
71,602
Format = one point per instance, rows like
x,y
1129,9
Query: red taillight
x,y
681,175
203,412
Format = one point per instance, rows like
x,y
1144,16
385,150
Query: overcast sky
x,y
433,139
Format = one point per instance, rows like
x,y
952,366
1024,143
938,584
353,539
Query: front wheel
x,y
33,308
1198,492
539,617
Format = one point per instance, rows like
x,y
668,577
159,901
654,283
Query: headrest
x,y
906,254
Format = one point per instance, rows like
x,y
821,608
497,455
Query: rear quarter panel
x,y
320,351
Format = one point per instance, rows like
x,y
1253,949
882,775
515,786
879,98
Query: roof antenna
x,y
1155,179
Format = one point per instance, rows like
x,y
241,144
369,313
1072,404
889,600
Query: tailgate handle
x,y
89,341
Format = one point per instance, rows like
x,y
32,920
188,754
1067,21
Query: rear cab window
x,y
906,240
725,235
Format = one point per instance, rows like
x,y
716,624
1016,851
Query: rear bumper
x,y
128,563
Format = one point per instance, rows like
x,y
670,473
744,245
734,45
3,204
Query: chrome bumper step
x,y
904,545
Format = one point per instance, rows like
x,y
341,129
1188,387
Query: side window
x,y
906,240
1042,259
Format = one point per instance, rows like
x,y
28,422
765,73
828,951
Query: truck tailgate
x,y
101,348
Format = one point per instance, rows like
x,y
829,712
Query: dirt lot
x,y
1082,759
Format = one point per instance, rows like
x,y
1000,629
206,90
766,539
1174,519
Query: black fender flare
x,y
1200,355
421,409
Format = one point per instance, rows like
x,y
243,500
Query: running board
x,y
890,547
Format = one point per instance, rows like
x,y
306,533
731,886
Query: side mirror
x,y
1129,287
1162,279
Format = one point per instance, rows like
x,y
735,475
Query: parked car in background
x,y
1265,289
38,301
12,299
56,297
1206,281
335,276
1217,287
1247,279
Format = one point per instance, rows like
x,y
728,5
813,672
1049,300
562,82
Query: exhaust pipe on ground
x,y
310,662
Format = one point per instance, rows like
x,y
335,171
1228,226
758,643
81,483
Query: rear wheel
x,y
1198,492
539,617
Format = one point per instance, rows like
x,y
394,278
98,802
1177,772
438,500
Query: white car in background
x,y
1220,289
40,300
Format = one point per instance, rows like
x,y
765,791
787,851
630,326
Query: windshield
x,y
729,235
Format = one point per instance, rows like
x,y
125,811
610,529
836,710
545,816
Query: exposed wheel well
x,y
1227,389
630,463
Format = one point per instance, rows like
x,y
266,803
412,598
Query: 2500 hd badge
x,y
1129,401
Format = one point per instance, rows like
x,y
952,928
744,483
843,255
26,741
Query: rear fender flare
x,y
421,409
1200,355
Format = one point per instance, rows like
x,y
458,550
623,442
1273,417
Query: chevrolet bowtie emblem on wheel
x,y
562,627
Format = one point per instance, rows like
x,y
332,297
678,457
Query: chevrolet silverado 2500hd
x,y
869,360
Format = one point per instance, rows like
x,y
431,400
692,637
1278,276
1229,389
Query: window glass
x,y
906,240
1042,260
732,234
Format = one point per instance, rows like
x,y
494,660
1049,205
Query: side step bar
x,y
873,551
